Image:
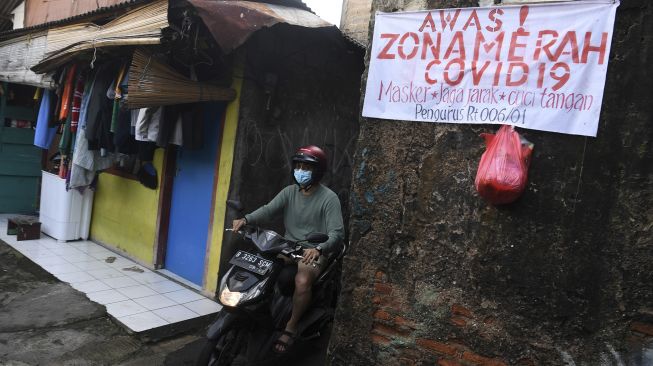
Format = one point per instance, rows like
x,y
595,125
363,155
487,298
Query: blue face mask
x,y
303,177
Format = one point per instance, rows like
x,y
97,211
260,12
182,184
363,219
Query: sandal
x,y
284,346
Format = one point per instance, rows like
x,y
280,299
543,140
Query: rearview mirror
x,y
316,238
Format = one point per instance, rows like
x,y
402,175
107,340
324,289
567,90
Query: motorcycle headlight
x,y
229,298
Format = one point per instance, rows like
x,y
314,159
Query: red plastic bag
x,y
503,171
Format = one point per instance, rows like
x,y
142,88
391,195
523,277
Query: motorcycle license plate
x,y
251,262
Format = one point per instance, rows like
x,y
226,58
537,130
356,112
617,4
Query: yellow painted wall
x,y
227,146
125,214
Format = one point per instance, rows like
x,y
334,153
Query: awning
x,y
140,26
19,55
232,22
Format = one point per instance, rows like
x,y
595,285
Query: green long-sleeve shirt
x,y
318,212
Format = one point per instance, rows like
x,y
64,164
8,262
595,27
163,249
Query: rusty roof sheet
x,y
232,22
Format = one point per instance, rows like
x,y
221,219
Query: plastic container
x,y
64,215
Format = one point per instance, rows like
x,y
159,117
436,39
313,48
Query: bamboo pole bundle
x,y
153,83
140,26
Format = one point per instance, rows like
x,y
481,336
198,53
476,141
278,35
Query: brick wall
x,y
563,276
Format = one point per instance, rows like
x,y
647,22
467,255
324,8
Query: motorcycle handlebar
x,y
303,243
293,256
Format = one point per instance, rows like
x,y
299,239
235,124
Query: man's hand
x,y
237,224
310,255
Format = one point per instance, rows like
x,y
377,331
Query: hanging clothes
x,y
65,142
122,138
170,115
172,127
44,134
134,115
148,124
66,96
54,122
86,98
115,93
98,116
118,92
115,111
176,138
64,149
86,163
77,101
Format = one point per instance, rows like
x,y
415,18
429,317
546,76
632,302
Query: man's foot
x,y
284,343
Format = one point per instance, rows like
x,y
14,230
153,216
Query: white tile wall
x,y
138,300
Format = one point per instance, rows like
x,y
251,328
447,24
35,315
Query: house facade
x,y
264,86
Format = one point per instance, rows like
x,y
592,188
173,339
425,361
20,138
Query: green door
x,y
20,160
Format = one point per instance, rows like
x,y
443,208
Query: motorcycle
x,y
256,295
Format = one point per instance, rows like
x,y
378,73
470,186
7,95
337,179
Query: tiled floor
x,y
137,297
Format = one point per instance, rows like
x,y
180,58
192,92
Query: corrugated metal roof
x,y
290,3
6,33
232,22
6,7
96,12
298,4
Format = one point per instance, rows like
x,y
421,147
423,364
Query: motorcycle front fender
x,y
221,325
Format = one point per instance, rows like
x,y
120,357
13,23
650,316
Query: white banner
x,y
533,66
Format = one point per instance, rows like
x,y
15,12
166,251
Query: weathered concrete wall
x,y
125,214
355,20
315,100
562,276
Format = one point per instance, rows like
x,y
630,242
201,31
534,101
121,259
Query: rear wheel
x,y
222,351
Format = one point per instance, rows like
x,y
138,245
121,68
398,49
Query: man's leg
x,y
304,279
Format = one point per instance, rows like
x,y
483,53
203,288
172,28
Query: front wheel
x,y
222,351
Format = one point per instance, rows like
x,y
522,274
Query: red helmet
x,y
315,156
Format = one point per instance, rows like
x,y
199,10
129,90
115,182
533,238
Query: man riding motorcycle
x,y
307,207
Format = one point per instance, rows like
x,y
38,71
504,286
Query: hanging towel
x,y
44,134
